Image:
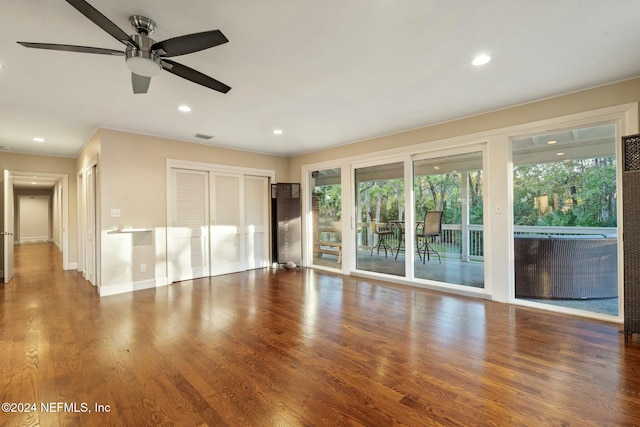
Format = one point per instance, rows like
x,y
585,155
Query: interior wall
x,y
588,100
132,177
53,165
34,218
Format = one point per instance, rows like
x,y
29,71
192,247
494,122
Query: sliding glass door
x,y
326,217
565,219
449,219
380,196
441,237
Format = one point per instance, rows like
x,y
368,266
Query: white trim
x,y
187,164
424,284
33,239
64,179
123,288
81,197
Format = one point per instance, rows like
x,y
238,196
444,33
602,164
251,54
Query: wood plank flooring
x,y
299,348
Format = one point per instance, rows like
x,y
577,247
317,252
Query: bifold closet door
x,y
226,224
188,240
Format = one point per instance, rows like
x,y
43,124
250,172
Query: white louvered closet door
x,y
226,224
256,222
188,240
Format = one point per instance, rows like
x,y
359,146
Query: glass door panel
x,y
326,213
380,234
565,219
449,225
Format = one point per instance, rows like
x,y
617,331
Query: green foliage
x,y
563,193
576,193
330,202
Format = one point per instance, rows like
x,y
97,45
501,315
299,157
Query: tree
x,y
577,193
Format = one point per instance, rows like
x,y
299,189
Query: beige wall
x,y
132,173
132,178
606,96
55,165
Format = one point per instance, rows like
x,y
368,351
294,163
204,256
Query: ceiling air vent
x,y
203,136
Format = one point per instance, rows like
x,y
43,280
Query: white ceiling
x,y
326,72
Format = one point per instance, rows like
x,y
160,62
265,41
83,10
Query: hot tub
x,y
566,267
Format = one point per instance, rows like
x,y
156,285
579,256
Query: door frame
x,y
7,226
63,183
212,168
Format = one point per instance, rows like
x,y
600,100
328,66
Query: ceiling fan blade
x,y
189,43
194,76
71,48
140,83
102,21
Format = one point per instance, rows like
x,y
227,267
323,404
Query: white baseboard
x,y
71,266
162,281
34,239
132,287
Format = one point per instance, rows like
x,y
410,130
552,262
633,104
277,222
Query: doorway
x,y
15,183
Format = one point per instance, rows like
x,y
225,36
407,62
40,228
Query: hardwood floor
x,y
300,348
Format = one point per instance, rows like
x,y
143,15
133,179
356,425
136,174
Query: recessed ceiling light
x,y
553,141
481,60
184,108
436,168
277,131
560,154
33,183
38,139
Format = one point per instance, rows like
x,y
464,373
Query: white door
x,y
226,224
256,222
188,242
7,230
90,254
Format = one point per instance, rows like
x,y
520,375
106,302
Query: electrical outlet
x,y
143,268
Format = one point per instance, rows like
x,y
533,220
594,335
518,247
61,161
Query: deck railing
x,y
452,244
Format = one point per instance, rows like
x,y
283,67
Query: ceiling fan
x,y
144,56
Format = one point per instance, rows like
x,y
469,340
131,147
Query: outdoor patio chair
x,y
383,231
426,232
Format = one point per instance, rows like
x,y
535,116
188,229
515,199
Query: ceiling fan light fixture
x,y
142,60
142,66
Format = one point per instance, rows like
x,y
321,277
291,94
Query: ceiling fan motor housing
x,y
142,24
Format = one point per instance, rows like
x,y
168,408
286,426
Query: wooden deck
x,y
301,347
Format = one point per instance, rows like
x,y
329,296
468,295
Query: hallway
x,y
300,347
